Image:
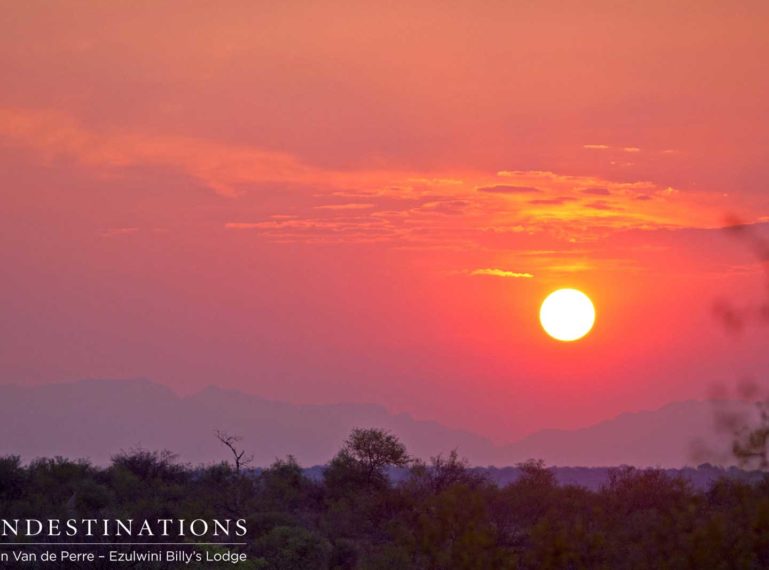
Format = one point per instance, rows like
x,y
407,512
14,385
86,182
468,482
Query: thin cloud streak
x,y
430,209
493,272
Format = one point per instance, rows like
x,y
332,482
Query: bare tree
x,y
231,441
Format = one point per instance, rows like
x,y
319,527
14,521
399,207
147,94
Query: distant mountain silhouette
x,y
96,418
675,435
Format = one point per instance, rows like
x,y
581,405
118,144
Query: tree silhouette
x,y
373,450
240,459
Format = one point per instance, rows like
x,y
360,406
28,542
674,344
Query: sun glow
x,y
567,315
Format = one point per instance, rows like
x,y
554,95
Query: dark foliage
x,y
441,515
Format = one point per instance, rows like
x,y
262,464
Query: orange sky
x,y
346,201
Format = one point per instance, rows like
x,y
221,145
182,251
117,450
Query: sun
x,y
567,314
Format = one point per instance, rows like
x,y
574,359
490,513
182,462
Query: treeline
x,y
442,515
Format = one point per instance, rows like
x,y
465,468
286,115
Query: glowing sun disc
x,y
567,314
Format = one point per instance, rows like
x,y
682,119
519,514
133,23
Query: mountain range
x,y
94,419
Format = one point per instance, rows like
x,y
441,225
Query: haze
x,y
350,202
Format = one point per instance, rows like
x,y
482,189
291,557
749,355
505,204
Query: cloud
x,y
595,191
222,168
458,209
507,189
571,267
243,225
113,232
227,169
501,273
607,147
551,201
602,205
352,206
449,207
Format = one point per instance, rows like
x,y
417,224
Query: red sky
x,y
323,202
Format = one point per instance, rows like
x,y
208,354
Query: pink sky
x,y
323,202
